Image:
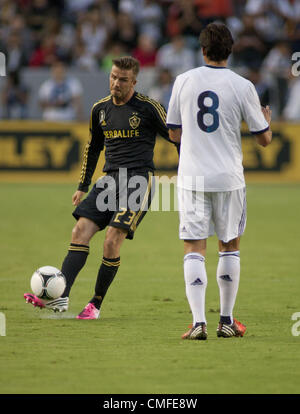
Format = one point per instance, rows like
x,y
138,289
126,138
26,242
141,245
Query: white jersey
x,y
209,104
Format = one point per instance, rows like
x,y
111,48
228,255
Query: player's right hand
x,y
267,112
77,196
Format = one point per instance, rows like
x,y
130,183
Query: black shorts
x,y
119,200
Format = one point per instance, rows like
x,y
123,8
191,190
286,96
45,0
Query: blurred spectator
x,y
38,13
249,49
60,96
257,7
211,10
261,85
8,10
293,35
162,90
146,51
146,14
63,36
277,67
265,19
238,8
94,33
150,19
15,55
278,60
74,6
107,8
125,32
14,98
131,7
83,59
288,9
291,111
235,25
175,56
115,50
182,19
45,54
18,26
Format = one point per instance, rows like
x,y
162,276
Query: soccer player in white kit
x,y
205,113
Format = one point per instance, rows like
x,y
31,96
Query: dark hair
x,y
127,63
217,41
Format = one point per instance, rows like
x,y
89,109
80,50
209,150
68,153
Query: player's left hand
x,y
77,196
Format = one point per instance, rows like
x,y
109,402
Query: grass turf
x,y
136,346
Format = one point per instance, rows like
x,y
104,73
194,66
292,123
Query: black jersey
x,y
128,133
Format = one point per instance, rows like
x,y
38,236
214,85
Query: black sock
x,y
225,319
73,263
106,274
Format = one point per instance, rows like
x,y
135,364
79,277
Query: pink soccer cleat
x,y
89,312
34,300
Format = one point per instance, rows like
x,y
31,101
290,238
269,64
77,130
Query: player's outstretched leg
x,y
56,305
73,263
78,251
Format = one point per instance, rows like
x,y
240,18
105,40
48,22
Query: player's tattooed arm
x,y
92,151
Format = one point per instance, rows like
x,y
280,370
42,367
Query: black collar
x,y
216,67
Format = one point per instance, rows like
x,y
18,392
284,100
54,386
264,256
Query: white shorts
x,y
202,214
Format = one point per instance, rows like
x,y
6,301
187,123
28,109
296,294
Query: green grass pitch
x,y
136,346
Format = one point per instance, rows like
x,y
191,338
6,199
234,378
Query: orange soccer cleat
x,y
227,331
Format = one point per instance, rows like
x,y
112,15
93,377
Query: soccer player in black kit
x,y
126,123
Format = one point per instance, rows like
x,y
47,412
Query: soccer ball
x,y
47,282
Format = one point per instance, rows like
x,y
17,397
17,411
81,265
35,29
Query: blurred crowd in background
x,y
163,35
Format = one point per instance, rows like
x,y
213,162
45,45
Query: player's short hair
x,y
127,63
217,41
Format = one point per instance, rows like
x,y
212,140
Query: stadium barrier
x,y
38,151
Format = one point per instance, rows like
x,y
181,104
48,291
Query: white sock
x,y
195,284
228,277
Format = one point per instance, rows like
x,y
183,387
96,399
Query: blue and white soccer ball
x,y
48,282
